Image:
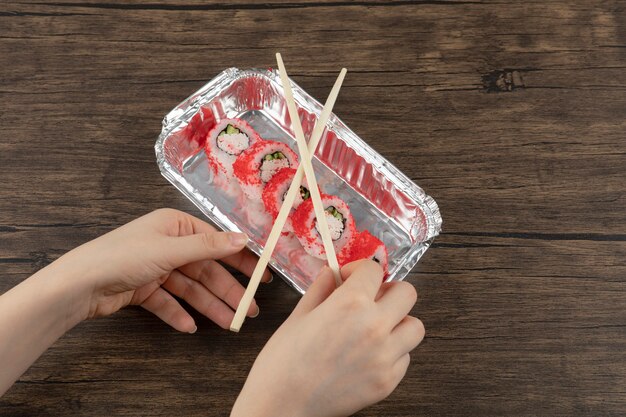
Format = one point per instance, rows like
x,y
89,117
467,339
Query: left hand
x,y
162,253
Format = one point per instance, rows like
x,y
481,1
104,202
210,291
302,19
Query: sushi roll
x,y
259,163
226,141
340,223
365,246
275,191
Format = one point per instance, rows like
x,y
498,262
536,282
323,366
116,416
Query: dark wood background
x,y
511,114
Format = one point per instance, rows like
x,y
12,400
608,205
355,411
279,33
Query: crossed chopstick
x,y
305,168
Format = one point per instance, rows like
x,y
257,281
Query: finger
x,y
200,298
407,335
178,251
216,279
320,290
397,301
382,290
179,223
188,224
245,261
362,276
165,307
141,294
349,268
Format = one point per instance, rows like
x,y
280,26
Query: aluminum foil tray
x,y
381,198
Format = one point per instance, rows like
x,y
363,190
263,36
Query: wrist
x,y
67,287
245,408
262,406
34,314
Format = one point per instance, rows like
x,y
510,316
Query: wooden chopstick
x,y
305,162
285,209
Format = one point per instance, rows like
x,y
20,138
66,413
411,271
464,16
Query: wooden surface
x,y
512,115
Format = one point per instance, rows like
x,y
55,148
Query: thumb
x,y
201,246
320,290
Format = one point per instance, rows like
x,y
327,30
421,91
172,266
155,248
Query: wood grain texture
x,y
511,114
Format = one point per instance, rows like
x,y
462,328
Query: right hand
x,y
339,351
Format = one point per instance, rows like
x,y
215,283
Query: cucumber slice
x,y
231,130
336,214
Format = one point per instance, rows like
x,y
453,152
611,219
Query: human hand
x,y
339,351
162,253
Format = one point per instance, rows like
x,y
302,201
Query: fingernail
x,y
256,314
238,239
195,328
271,278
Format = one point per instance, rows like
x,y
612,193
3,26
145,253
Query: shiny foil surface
x,y
381,198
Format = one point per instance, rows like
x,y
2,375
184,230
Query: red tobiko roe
x,y
199,126
363,246
244,168
300,217
271,205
